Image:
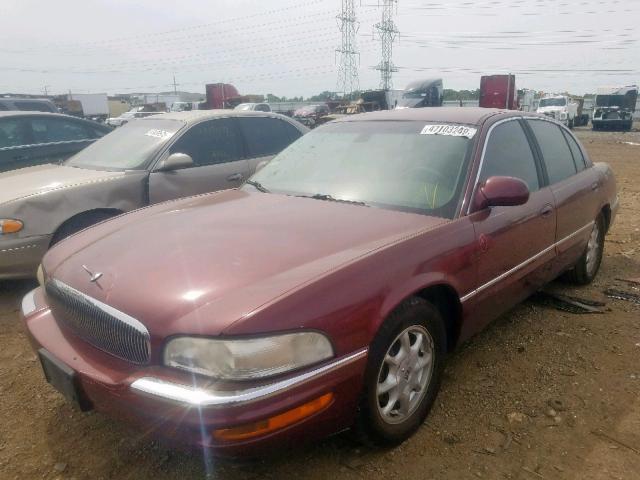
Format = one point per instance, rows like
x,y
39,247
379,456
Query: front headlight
x,y
247,359
563,115
10,225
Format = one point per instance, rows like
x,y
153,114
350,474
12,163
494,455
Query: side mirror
x,y
175,161
500,192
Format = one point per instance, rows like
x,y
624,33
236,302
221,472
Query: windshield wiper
x,y
258,186
331,198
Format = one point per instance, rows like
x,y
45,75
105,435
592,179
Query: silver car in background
x,y
144,162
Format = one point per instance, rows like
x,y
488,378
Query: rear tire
x,y
79,222
406,359
587,266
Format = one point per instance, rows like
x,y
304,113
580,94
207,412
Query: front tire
x,y
587,266
406,359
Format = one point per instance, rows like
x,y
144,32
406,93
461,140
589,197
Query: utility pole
x,y
45,89
387,33
349,56
175,85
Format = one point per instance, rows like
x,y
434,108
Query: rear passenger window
x,y
267,136
578,158
555,150
509,154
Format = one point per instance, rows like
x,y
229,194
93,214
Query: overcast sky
x,y
287,47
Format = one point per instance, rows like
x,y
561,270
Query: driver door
x,y
515,244
218,153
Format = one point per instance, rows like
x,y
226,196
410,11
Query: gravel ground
x,y
540,394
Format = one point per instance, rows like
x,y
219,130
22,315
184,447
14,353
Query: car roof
x,y
466,115
18,100
195,116
29,113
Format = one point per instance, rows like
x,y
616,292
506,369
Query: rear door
x,y
572,185
218,153
265,137
515,244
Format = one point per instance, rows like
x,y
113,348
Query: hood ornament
x,y
94,277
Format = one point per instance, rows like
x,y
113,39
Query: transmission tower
x,y
387,33
349,56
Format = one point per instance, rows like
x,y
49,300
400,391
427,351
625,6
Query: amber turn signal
x,y
10,226
272,424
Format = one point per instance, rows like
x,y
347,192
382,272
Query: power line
x,y
387,33
349,55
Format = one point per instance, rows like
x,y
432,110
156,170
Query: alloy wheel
x,y
404,375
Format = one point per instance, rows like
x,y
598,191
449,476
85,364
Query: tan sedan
x,y
147,161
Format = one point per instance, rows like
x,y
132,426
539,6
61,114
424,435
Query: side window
x,y
263,108
12,133
34,106
211,142
509,154
555,151
267,136
578,158
49,130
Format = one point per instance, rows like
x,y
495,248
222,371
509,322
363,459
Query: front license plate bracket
x,y
64,379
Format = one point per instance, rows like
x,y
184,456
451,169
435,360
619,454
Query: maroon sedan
x,y
326,292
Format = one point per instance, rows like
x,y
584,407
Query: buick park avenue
x,y
325,292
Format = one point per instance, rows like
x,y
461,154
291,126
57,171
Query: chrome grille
x,y
99,324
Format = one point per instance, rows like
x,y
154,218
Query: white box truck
x,y
94,105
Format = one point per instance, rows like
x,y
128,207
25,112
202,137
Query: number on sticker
x,y
451,130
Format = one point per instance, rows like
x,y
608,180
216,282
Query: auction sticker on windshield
x,y
451,130
154,132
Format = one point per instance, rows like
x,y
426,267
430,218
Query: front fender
x,y
42,214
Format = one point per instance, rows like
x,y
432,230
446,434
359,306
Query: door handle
x,y
546,211
235,177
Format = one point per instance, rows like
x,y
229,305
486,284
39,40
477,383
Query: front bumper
x,y
187,408
20,257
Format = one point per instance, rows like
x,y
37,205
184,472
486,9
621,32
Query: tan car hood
x,y
25,182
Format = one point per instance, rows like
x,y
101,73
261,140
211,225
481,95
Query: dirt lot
x,y
541,394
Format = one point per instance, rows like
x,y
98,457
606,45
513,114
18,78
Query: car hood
x,y
199,264
26,182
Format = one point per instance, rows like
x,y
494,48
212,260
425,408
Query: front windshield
x,y
622,101
553,102
130,147
388,164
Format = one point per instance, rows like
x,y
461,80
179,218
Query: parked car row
x,y
322,293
